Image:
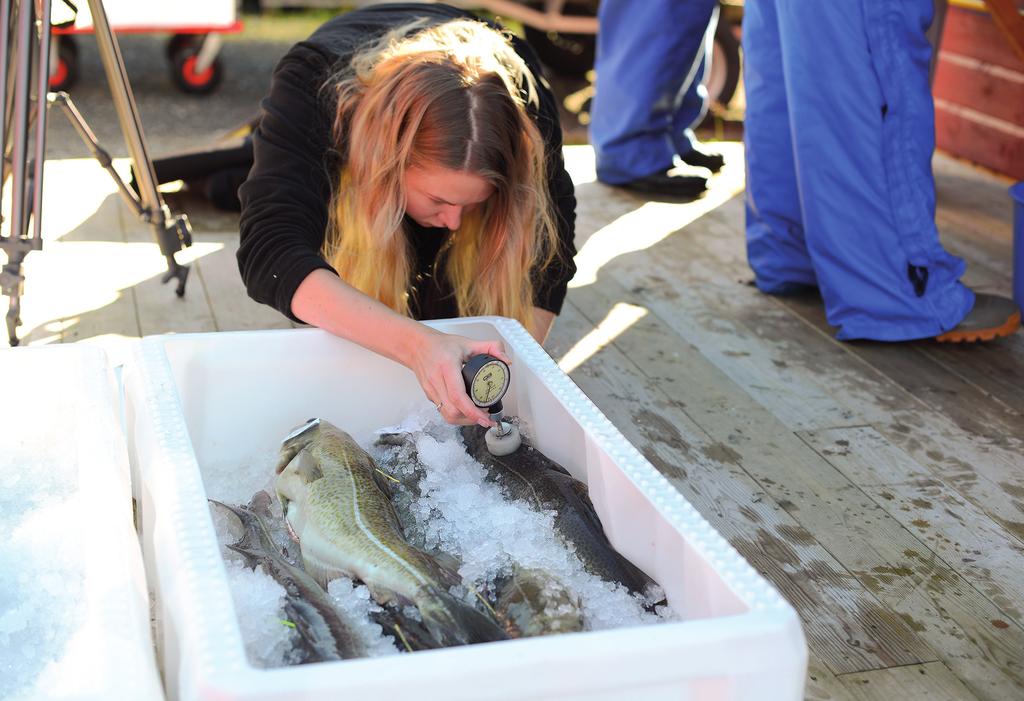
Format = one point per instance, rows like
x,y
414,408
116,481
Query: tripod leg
x,y
171,233
18,42
22,93
5,83
174,269
13,320
12,282
42,87
63,100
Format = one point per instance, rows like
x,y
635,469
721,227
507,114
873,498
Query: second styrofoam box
x,y
74,612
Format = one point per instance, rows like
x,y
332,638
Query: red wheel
x,y
59,75
193,77
64,72
190,80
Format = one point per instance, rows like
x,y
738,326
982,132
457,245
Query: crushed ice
x,y
42,580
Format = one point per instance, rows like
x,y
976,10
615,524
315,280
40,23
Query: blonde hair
x,y
453,95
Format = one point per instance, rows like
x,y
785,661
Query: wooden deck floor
x,y
879,487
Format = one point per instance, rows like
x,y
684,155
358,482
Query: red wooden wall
x,y
979,94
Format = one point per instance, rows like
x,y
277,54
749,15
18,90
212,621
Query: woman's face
x,y
438,197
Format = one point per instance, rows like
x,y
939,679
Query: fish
x,y
323,633
530,602
529,475
401,460
337,504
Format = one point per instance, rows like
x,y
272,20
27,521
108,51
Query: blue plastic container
x,y
1017,193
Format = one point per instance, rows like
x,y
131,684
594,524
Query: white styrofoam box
x,y
204,403
156,15
76,579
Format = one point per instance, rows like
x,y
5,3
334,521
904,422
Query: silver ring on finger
x,y
438,406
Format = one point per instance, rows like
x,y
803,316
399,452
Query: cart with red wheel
x,y
195,26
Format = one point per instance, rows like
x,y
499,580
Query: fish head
x,y
296,469
297,439
293,481
533,602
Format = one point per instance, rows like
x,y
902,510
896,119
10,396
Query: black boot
x,y
711,161
667,184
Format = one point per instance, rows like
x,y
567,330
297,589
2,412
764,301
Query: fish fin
x,y
584,505
452,621
251,557
307,467
387,597
244,516
260,503
228,507
285,457
320,571
552,465
448,562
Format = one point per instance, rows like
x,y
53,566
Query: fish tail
x,y
452,621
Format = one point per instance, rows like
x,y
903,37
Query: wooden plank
x,y
985,273
941,605
161,310
232,308
995,368
978,203
931,681
911,367
845,627
953,529
822,685
989,263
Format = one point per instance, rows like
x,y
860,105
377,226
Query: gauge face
x,y
489,384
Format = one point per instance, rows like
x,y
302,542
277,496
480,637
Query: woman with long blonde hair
x,y
407,166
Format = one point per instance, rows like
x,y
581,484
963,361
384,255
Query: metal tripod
x,y
24,79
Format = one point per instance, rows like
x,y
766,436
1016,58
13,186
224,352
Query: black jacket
x,y
285,198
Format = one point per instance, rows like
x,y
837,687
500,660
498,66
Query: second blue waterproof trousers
x,y
651,58
839,138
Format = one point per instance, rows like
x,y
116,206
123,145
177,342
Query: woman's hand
x,y
437,359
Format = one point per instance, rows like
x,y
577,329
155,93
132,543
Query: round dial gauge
x,y
487,380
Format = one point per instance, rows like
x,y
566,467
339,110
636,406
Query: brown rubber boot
x,y
991,317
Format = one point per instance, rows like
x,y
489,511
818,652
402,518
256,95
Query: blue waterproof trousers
x,y
839,139
651,58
